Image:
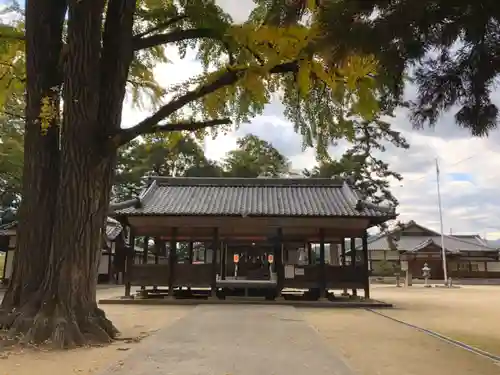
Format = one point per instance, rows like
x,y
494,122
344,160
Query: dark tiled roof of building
x,y
251,197
113,228
414,243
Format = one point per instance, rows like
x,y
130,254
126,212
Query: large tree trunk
x,y
61,306
44,23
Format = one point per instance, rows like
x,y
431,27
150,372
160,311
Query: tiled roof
x,y
251,197
413,243
432,241
113,228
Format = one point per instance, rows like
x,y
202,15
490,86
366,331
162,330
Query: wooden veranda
x,y
278,230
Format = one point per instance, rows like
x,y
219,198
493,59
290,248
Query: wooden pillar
x,y
110,262
145,250
190,252
343,261
159,245
309,253
223,260
353,261
322,274
145,255
278,260
365,265
172,260
215,247
129,261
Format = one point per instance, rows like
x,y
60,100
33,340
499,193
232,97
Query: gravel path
x,y
236,340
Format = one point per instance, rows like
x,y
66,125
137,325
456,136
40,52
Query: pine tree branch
x,y
179,36
147,125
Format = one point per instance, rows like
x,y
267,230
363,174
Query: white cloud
x,y
470,203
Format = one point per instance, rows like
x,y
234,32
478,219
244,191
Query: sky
x,y
470,173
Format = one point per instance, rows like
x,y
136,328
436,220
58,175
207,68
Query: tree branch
x,y
162,25
180,35
129,134
174,36
147,125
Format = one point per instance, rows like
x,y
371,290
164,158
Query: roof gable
x,y
414,229
286,197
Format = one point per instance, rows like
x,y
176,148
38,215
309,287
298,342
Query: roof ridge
x,y
247,181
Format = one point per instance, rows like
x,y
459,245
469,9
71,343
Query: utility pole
x,y
443,250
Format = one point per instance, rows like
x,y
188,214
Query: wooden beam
x,y
366,263
309,253
129,261
278,259
322,275
172,260
343,261
190,252
254,225
353,260
223,260
145,251
215,247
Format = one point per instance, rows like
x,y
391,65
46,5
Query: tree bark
x,y
44,23
62,307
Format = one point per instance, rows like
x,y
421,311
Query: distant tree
x,y
174,155
253,158
361,165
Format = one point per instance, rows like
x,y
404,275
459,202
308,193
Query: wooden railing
x,y
201,275
336,277
148,274
305,277
193,275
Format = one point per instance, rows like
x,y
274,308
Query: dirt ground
x,y
375,345
372,345
134,322
469,314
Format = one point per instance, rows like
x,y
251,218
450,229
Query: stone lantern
x,y
426,273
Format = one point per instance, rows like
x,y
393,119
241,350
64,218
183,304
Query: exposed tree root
x,y
57,326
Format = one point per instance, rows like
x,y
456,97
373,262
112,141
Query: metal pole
x,y
443,250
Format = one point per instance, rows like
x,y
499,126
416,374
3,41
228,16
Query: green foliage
x,y
172,155
255,158
449,49
11,157
12,62
184,157
361,163
244,66
386,268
